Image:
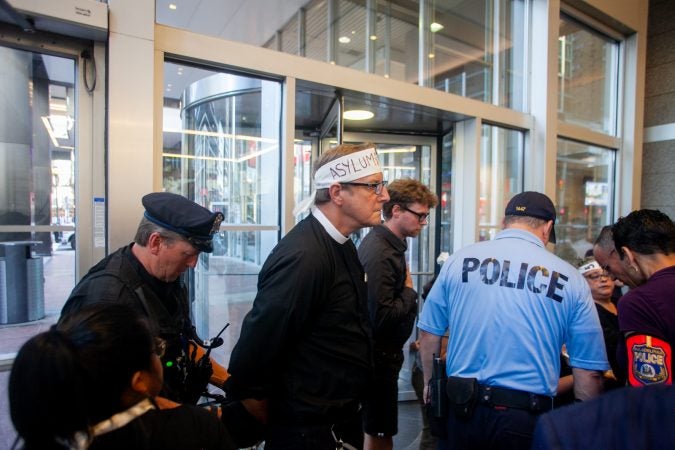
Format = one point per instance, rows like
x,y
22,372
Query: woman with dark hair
x,y
91,381
602,288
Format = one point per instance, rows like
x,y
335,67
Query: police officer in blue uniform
x,y
509,305
146,275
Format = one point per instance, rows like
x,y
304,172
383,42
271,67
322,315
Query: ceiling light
x,y
435,27
344,40
373,37
358,114
431,56
172,6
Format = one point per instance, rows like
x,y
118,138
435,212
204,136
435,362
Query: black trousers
x,y
315,437
490,428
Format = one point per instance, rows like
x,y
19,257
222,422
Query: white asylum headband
x,y
341,170
591,265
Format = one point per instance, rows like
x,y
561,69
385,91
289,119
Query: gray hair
x,y
146,228
532,222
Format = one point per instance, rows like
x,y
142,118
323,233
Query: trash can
x,y
22,294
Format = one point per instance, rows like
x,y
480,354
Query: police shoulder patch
x,y
649,360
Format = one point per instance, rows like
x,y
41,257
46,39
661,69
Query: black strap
x,y
498,396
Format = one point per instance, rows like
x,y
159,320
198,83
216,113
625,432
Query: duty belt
x,y
497,396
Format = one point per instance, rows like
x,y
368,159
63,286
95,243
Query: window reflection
x,y
587,77
38,157
221,135
473,48
501,176
584,196
302,172
445,200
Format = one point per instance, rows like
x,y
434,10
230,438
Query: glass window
x,y
588,71
37,198
473,48
584,196
477,50
501,176
445,200
302,172
315,31
221,134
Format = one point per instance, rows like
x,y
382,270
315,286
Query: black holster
x,y
437,408
462,396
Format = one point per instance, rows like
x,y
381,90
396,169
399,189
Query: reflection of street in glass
x,y
63,240
59,276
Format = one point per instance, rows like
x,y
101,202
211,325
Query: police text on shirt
x,y
492,270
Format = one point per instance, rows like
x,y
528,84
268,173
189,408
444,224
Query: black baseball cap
x,y
532,204
185,217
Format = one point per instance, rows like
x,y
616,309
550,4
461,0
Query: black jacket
x,y
392,305
121,278
305,345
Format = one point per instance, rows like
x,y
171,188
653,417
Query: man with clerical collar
x,y
146,275
303,362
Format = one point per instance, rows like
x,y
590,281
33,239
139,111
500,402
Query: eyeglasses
x,y
597,276
378,187
159,347
420,216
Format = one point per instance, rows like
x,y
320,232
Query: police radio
x,y
199,371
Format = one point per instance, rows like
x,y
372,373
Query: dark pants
x,y
315,437
490,428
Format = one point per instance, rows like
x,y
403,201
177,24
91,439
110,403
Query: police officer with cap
x,y
509,305
146,275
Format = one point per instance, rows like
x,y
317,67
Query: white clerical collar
x,y
328,226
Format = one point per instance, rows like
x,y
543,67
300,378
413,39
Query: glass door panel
x,y
38,208
408,157
221,135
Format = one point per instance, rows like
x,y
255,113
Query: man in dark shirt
x,y
392,301
303,361
146,275
645,243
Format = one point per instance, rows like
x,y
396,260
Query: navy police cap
x,y
532,204
185,217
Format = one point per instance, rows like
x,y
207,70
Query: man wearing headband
x,y
509,305
146,275
304,358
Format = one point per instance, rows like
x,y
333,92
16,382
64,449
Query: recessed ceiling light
x,y
373,37
344,40
357,114
172,6
431,56
436,27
